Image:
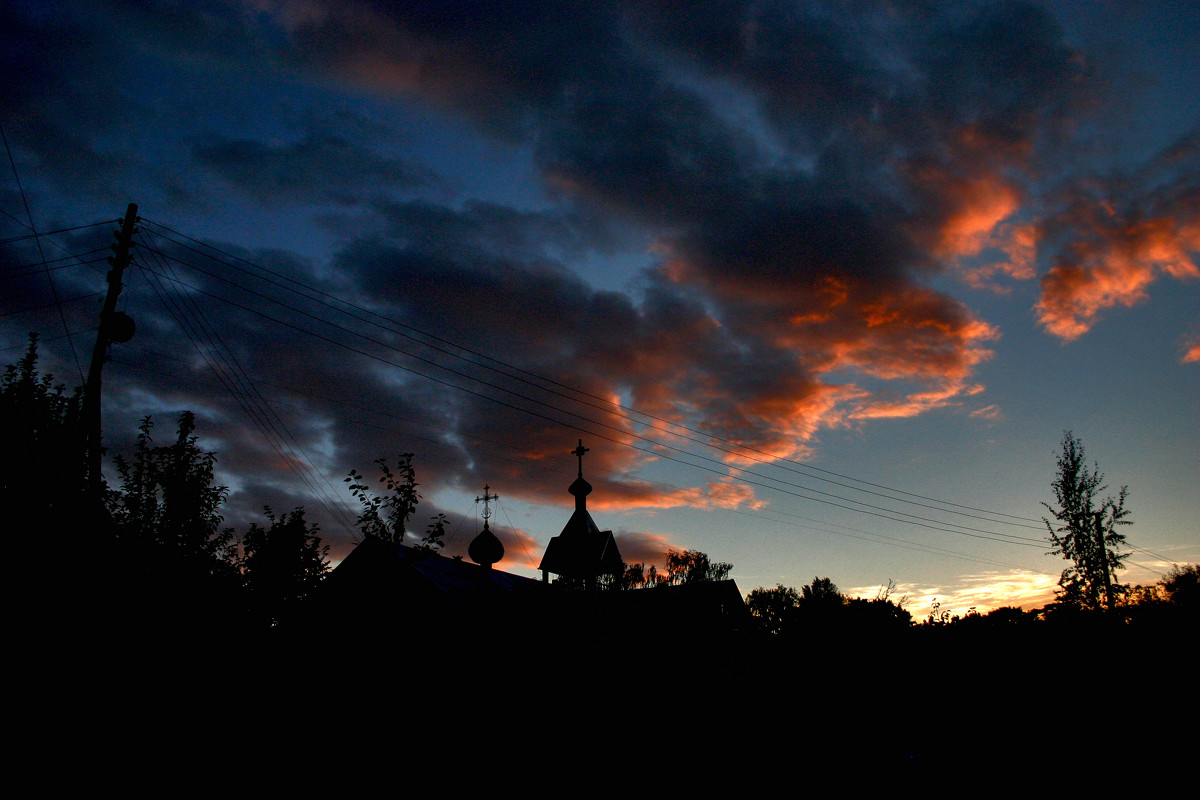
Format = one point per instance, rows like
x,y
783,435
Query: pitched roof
x,y
375,560
582,550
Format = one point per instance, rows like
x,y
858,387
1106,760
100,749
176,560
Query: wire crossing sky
x,y
820,285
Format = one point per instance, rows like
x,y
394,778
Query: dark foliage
x,y
820,608
168,499
821,593
775,609
45,469
876,614
387,516
693,566
435,535
682,567
281,565
1084,530
155,562
1182,586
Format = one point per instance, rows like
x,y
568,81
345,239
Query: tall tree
x,y
281,565
169,498
387,516
683,566
693,566
820,607
175,571
40,427
822,592
775,609
1182,585
1084,529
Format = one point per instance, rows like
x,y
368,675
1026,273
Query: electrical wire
x,y
665,488
30,309
38,238
233,377
776,485
256,407
225,366
741,451
867,508
28,236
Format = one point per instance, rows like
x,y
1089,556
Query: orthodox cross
x,y
579,451
487,512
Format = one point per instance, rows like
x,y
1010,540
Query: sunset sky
x,y
820,285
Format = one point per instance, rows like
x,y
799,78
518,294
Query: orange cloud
x,y
916,403
1019,244
968,199
980,204
910,336
914,335
644,548
970,216
777,425
520,549
729,495
991,412
825,328
1191,351
624,495
1115,265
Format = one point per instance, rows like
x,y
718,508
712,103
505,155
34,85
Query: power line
x,y
756,455
37,238
699,502
912,519
1150,553
66,301
878,511
229,371
26,237
38,269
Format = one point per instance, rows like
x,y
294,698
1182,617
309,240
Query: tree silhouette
x,y
1084,530
821,607
281,565
693,566
1182,585
683,566
877,614
174,571
435,535
634,576
168,500
775,609
387,516
822,592
638,576
40,425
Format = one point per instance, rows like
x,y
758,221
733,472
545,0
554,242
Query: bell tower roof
x,y
486,549
582,550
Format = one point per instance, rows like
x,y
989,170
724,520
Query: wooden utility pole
x,y
1108,598
114,327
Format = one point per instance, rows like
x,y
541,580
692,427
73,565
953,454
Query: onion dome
x,y
485,549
